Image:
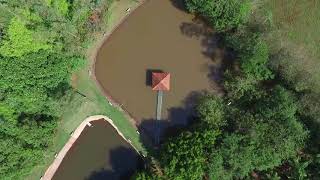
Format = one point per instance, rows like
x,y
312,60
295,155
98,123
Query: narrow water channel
x,y
159,35
99,153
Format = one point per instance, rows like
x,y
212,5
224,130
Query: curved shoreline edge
x,y
93,59
49,173
74,136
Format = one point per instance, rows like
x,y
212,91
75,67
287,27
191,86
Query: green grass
x,y
294,28
79,108
298,21
89,101
98,104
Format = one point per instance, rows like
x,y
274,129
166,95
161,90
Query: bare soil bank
x,y
159,35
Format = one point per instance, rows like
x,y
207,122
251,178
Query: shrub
x,y
221,14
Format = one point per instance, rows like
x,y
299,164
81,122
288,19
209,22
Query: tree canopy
x,y
30,83
258,127
23,140
20,41
223,15
37,58
258,119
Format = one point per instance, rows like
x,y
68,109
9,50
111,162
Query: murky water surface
x,y
158,36
99,153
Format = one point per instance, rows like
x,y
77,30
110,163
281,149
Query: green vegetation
x,y
43,45
293,39
185,156
20,40
221,14
265,126
23,140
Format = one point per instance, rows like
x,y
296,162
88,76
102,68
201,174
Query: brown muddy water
x,y
99,153
159,35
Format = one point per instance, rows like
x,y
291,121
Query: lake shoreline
x,y
159,37
93,59
74,136
91,56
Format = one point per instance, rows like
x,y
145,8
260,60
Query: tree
x,y
241,89
20,40
30,83
263,136
62,6
255,64
253,54
36,61
22,141
142,176
221,14
185,156
211,111
233,159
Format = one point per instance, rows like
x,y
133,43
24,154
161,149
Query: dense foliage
x,y
258,129
183,157
264,122
262,136
221,14
260,126
41,44
23,141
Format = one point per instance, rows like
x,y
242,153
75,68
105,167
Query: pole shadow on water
x,y
124,161
213,47
178,118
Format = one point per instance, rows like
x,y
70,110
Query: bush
x,y
221,14
211,111
265,134
185,156
252,52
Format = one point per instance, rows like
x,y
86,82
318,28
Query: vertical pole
x,y
158,115
159,104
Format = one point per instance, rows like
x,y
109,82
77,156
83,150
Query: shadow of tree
x,y
124,162
213,47
179,4
211,41
178,118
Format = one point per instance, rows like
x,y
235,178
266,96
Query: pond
x,y
159,35
99,153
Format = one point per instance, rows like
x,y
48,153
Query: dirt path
x,y
74,136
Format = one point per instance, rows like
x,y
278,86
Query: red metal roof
x,y
160,81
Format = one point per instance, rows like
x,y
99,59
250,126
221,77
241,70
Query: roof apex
x,y
160,81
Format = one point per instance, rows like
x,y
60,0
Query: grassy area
x,y
90,100
298,21
294,28
95,103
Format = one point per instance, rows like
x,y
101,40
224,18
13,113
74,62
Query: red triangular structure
x,y
160,81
